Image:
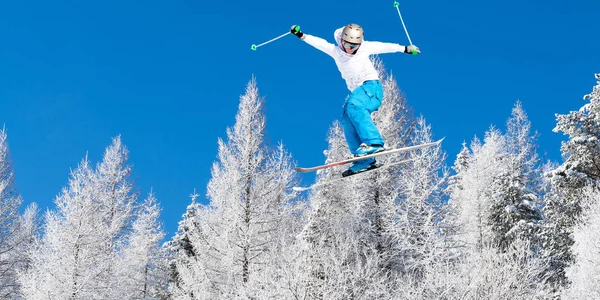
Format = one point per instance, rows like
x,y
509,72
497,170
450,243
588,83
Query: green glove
x,y
412,49
296,31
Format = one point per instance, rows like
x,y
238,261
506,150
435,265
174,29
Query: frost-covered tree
x,y
516,209
65,261
419,225
522,145
473,195
142,267
486,274
28,231
581,152
80,252
496,205
229,245
114,199
461,163
584,274
188,276
497,185
580,168
15,230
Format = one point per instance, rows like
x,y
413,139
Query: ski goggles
x,y
350,46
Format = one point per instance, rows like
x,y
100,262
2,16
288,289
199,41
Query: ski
x,y
318,184
390,151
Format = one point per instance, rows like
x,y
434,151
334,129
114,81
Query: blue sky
x,y
167,76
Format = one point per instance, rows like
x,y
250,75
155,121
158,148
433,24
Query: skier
x,y
352,59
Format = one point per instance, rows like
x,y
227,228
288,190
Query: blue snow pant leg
x,y
356,119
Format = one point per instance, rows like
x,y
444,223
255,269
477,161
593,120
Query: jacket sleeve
x,y
379,47
319,43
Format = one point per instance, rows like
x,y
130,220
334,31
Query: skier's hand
x,y
412,49
295,30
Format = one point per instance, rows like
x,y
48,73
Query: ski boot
x,y
361,166
365,149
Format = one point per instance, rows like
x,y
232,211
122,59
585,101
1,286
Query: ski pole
x,y
254,46
396,4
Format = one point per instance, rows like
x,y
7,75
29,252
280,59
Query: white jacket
x,y
355,68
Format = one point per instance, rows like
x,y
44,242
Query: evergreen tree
x,y
229,244
473,191
584,274
580,168
85,247
143,262
516,210
496,195
13,235
115,201
66,259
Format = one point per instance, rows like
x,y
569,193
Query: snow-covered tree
x,y
80,252
65,261
142,267
581,151
15,230
417,230
461,163
486,274
188,276
473,196
490,192
522,144
114,199
497,185
516,205
229,245
580,168
584,274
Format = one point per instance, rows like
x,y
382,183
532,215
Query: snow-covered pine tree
x,y
66,259
584,274
188,276
498,184
417,233
472,196
580,168
80,252
516,206
230,244
461,163
15,229
115,201
28,230
143,266
497,195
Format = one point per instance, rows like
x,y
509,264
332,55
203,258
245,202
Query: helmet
x,y
353,33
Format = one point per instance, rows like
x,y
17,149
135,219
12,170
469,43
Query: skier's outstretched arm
x,y
380,48
314,41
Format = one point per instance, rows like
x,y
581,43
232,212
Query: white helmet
x,y
353,33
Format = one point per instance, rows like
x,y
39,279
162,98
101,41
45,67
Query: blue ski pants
x,y
356,119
